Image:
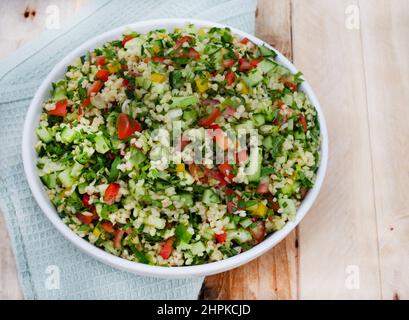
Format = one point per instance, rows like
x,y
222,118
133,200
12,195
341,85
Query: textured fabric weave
x,y
39,248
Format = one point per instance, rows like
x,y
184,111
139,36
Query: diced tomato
x,y
231,207
226,169
207,121
303,122
83,218
228,63
183,143
103,75
158,59
136,126
85,200
263,187
221,238
229,111
221,139
195,171
255,62
111,193
100,60
167,248
258,232
210,102
245,40
86,102
110,155
118,238
125,82
230,77
193,54
107,227
242,156
244,65
182,40
126,39
289,84
215,175
229,192
60,108
126,126
303,192
95,87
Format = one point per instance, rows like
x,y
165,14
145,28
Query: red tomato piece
x,y
195,171
182,40
230,77
245,40
229,111
83,218
228,63
242,156
136,126
226,169
100,61
231,207
167,248
303,122
125,126
95,87
118,238
111,193
126,39
86,102
60,108
193,54
263,187
207,121
244,65
258,232
255,62
103,74
107,226
158,59
221,238
85,200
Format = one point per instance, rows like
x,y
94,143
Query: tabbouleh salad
x,y
102,165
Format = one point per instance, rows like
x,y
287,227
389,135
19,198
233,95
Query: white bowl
x,y
37,188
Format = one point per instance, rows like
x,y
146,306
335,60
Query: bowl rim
x,y
29,155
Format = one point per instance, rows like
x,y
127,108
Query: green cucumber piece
x,y
65,178
183,102
210,197
43,134
253,169
101,144
67,135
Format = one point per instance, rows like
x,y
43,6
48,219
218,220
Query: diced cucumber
x,y
65,178
258,120
266,52
59,92
268,142
210,197
185,199
158,88
240,235
254,77
288,206
190,115
246,222
101,144
290,188
253,169
137,157
143,82
265,66
43,134
67,135
197,248
183,102
76,169
81,187
50,180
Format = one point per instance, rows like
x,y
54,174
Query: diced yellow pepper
x,y
244,87
157,77
260,211
156,48
96,232
202,84
180,167
113,67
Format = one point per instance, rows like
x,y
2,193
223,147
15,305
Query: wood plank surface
x,y
273,275
338,238
385,35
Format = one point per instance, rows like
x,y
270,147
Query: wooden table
x,y
354,242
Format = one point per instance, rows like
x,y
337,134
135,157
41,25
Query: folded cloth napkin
x,y
49,266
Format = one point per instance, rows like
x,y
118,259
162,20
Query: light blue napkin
x,y
49,266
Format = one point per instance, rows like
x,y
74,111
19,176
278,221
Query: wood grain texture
x,y
385,31
338,238
273,275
